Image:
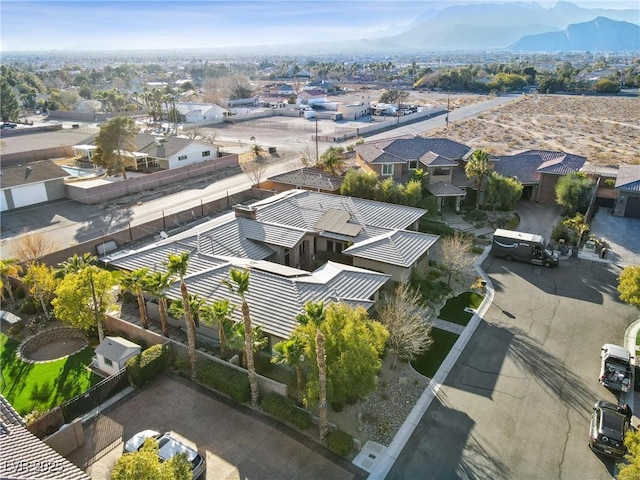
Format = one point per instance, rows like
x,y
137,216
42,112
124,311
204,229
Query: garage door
x,y
3,202
29,194
633,207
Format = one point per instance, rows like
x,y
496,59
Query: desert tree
x,y
9,268
573,191
404,315
308,156
135,282
146,464
84,294
218,313
457,258
238,283
255,171
115,141
478,169
177,265
629,285
31,246
41,281
291,353
157,284
361,184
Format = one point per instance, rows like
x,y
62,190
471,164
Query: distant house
x,y
282,90
307,178
113,352
30,184
201,112
628,188
311,97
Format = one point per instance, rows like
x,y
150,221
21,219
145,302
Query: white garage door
x,y
29,194
3,202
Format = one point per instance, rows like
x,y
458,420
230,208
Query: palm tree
x,y
332,161
196,302
238,283
478,168
291,353
157,284
236,341
76,264
177,265
218,313
135,282
9,267
314,314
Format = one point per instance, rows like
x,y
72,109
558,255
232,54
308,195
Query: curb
x,y
384,464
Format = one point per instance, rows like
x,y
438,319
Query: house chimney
x,y
245,211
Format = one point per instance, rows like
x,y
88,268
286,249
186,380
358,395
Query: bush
x,y
148,364
435,228
340,442
475,216
477,249
560,231
285,409
225,379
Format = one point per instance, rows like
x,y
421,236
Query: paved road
x,y
68,222
517,404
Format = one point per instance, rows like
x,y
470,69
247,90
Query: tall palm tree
x,y
218,313
238,283
478,168
196,302
235,340
291,353
76,264
314,314
9,267
135,282
177,265
157,284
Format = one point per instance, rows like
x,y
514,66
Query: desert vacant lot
x,y
604,129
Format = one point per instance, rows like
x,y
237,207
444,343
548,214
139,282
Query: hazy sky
x,y
160,24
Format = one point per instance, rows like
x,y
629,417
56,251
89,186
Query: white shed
x,y
113,352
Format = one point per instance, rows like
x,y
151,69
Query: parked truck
x,y
526,247
615,369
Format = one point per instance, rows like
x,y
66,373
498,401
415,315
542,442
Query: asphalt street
x,y
518,402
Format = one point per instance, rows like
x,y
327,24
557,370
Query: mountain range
x,y
517,26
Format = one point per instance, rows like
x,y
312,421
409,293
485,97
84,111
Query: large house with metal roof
x,y
299,246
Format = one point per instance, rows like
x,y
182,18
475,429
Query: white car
x,y
168,447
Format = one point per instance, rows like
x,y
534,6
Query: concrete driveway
x,y
517,403
238,442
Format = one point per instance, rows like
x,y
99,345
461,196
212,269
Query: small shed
x,y
113,352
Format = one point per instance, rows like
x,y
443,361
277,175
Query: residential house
x,y
112,354
299,245
30,184
311,97
23,455
201,112
307,178
628,188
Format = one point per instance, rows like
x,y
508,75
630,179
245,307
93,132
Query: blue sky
x,y
158,24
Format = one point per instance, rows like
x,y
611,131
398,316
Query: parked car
x,y
168,446
607,429
8,125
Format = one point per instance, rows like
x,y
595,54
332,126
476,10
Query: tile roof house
x,y
283,239
25,456
400,157
628,188
32,183
307,178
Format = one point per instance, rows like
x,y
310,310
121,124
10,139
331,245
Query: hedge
x,y
225,379
146,365
285,409
340,442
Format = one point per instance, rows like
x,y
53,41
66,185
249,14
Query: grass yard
x,y
453,310
429,362
44,385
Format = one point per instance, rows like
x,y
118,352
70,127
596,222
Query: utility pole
x,y
317,157
448,103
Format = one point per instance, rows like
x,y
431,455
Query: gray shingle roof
x,y
397,247
310,178
628,178
411,148
24,456
442,189
557,163
34,172
523,165
116,348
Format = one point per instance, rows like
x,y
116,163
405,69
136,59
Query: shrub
x,y
475,216
477,249
435,228
340,442
148,364
283,408
225,379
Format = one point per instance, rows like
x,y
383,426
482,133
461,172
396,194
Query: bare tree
x,y
457,258
31,246
308,156
193,134
255,171
406,320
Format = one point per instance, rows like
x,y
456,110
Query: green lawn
x,y
429,362
453,310
44,385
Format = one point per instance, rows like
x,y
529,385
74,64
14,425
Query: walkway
x,y
455,220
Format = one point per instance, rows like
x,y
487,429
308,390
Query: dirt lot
x,y
604,129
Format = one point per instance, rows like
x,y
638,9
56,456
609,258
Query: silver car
x,y
168,447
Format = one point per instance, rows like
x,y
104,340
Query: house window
x,y
387,169
182,157
413,164
108,362
442,171
206,153
336,247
